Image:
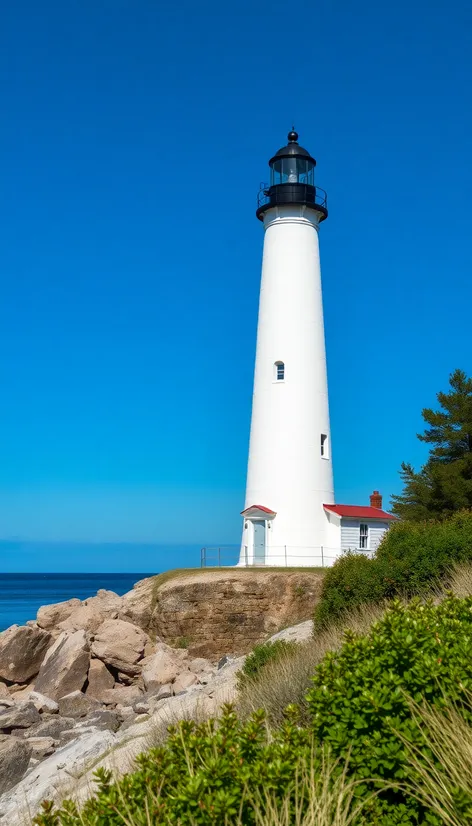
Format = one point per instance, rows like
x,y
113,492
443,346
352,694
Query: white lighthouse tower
x,y
290,473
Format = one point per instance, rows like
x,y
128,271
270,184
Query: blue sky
x,y
133,139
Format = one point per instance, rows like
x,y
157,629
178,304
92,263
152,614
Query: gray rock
x,y
76,704
65,666
41,746
164,692
225,660
22,715
43,703
54,773
121,695
141,707
104,719
22,650
99,679
14,758
49,727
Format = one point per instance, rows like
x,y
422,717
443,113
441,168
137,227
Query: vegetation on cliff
x,y
362,741
410,560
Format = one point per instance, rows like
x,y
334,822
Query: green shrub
x,y
352,581
262,654
207,774
360,698
411,558
414,556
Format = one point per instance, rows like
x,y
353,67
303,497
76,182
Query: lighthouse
x,y
290,467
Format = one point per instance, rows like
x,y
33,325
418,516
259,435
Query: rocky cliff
x,y
215,612
92,669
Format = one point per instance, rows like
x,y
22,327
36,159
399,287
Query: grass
x,y
287,679
445,779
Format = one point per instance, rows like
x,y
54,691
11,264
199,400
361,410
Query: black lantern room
x,y
292,181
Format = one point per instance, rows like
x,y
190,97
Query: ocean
x,y
22,594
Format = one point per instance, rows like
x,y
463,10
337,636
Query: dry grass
x,y
287,679
320,796
460,582
447,777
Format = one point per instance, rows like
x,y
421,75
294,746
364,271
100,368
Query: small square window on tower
x,y
324,445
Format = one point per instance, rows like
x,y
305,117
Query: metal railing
x,y
283,556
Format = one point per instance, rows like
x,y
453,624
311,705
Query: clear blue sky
x,y
133,139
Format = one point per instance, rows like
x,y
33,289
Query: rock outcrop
x,y
75,682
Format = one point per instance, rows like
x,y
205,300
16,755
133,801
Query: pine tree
x,y
444,483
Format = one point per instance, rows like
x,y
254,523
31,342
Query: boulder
x,y
22,650
99,679
104,719
162,667
137,605
76,704
91,613
121,696
49,616
120,644
14,758
184,681
41,746
49,727
43,703
22,715
141,707
65,666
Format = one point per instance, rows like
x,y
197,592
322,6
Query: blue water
x,y
22,594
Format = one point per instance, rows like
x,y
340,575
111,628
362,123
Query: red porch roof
x,y
259,508
359,512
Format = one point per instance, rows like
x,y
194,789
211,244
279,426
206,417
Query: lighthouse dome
x,y
293,149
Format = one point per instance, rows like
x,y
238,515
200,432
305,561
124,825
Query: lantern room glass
x,y
292,170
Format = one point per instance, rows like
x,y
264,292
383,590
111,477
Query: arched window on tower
x,y
279,370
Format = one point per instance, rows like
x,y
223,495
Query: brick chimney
x,y
376,500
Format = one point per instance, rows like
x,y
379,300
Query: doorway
x,y
259,542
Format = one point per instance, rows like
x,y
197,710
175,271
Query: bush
x,y
352,581
262,654
207,774
360,698
414,556
234,773
411,558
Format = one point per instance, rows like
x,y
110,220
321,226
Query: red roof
x,y
259,508
359,512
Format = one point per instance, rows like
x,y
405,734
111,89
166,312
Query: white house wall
x,y
350,533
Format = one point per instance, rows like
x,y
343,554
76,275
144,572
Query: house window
x,y
363,536
279,371
324,445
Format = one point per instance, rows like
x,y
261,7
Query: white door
x,y
259,543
